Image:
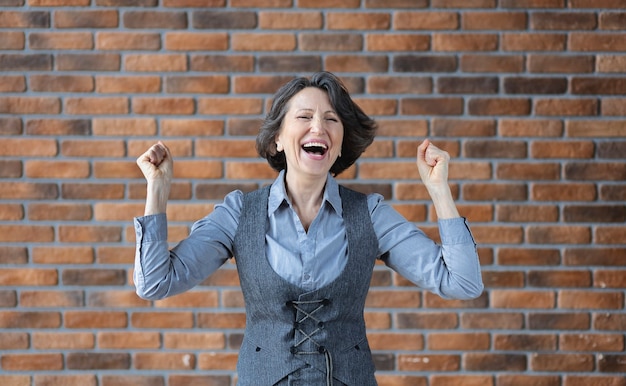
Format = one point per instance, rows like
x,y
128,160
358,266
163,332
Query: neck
x,y
306,196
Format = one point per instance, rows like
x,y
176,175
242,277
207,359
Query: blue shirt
x,y
307,259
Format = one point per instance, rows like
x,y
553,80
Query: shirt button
x,y
307,276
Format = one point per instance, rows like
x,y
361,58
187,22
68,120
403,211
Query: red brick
x,y
30,362
58,299
110,298
400,380
58,341
459,341
58,127
60,380
57,169
15,380
217,360
591,342
86,19
598,128
194,341
330,42
494,21
563,21
14,341
558,234
458,380
60,41
525,342
155,63
24,19
10,126
611,63
162,319
532,4
563,192
397,42
522,299
95,361
530,128
545,63
357,21
578,299
528,171
232,20
12,40
427,21
525,213
128,84
128,340
221,320
132,380
96,106
594,380
95,319
264,42
561,362
197,84
11,212
128,41
596,256
556,107
290,20
609,235
492,64
28,277
169,361
465,42
63,255
425,362
424,63
533,42
499,106
30,105
587,41
88,62
494,362
492,320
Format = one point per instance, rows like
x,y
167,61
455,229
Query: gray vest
x,y
288,328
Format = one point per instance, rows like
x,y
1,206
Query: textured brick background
x,y
528,96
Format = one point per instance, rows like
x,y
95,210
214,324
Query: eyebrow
x,y
308,110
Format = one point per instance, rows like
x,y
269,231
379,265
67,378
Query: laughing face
x,y
311,134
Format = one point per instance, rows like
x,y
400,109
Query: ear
x,y
279,147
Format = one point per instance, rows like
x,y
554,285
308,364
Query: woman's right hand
x,y
157,166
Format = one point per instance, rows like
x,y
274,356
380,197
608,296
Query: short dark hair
x,y
359,129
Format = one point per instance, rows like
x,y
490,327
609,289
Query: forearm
x,y
443,202
156,198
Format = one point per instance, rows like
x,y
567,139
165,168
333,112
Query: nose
x,y
317,125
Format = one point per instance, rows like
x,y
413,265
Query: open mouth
x,y
315,148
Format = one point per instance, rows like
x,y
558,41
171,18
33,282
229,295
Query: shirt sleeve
x,y
161,272
450,270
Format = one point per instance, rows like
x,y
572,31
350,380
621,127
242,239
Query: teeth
x,y
315,144
315,147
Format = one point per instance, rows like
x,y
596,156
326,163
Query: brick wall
x,y
528,97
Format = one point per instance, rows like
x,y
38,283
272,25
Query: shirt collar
x,y
278,194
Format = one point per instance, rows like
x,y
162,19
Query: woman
x,y
305,246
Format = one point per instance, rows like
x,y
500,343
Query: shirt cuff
x,y
151,228
455,231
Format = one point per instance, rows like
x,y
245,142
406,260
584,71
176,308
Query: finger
x,y
435,155
157,154
421,150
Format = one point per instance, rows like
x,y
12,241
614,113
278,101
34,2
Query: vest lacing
x,y
308,336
